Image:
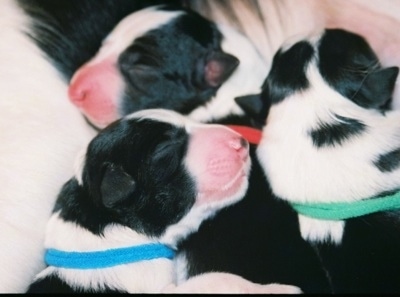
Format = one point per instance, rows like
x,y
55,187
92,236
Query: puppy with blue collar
x,y
144,183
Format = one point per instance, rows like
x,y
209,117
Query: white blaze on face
x,y
97,85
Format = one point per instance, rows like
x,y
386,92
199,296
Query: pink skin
x,y
218,158
95,89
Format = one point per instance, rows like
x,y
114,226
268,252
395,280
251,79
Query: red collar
x,y
252,135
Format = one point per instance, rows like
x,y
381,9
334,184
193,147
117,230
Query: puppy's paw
x,y
227,283
278,289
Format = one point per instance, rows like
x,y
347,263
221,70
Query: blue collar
x,y
342,211
107,258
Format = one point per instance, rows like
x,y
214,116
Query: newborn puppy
x,y
330,148
165,57
144,183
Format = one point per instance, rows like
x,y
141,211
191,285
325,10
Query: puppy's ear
x,y
142,76
251,104
218,67
377,88
116,185
254,106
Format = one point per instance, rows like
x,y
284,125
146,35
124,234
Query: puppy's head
x,y
152,56
318,104
155,170
325,69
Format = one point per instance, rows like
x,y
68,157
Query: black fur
x,y
389,161
287,74
367,259
55,285
134,175
349,65
112,175
335,134
257,238
166,67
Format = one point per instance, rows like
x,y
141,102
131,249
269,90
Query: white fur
x,y
226,283
130,28
154,276
146,276
299,172
40,133
171,117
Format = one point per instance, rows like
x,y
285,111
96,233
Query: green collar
x,y
347,210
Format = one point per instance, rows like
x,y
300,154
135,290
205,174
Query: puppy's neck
x,y
142,275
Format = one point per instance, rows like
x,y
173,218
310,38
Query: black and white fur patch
x,y
43,43
137,183
160,58
331,138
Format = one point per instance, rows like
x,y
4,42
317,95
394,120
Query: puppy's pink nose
x,y
78,92
80,88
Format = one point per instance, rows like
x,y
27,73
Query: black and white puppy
x,y
165,57
242,239
144,182
330,148
42,44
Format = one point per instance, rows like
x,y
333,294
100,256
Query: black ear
x,y
251,104
116,185
255,106
142,76
377,88
218,67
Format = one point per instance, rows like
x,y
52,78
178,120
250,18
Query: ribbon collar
x,y
252,135
107,258
342,211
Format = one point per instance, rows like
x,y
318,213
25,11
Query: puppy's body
x,y
329,138
144,182
42,45
242,239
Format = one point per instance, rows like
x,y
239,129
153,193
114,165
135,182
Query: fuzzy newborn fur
x,y
329,137
145,179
